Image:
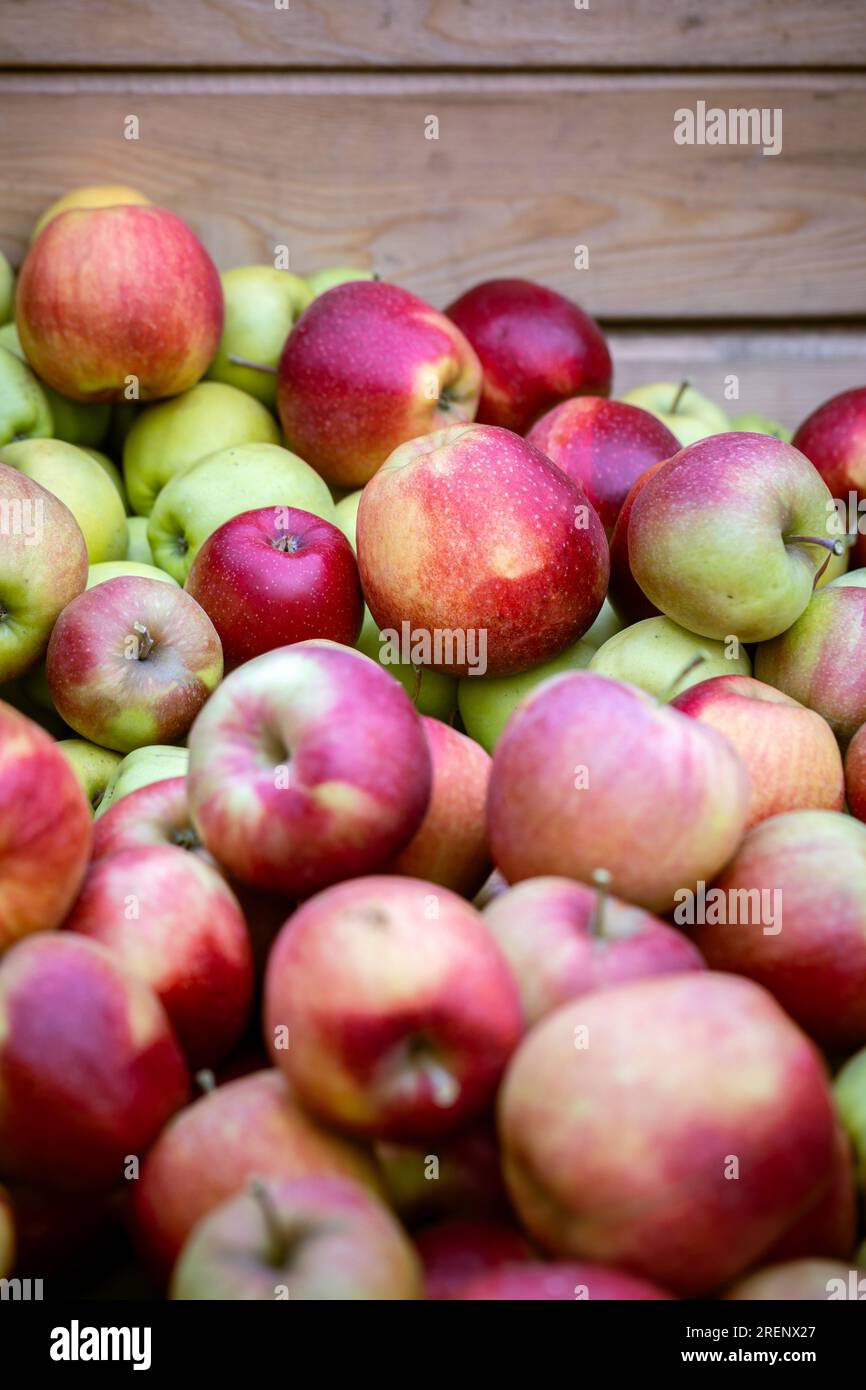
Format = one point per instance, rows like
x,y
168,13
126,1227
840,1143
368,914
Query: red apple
x,y
399,1008
106,295
536,348
567,1283
274,576
855,774
156,814
802,1281
834,438
829,1226
627,598
456,1252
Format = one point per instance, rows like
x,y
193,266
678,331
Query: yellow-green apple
x,y
122,301
93,766
560,1280
795,894
326,279
409,1036
821,659
24,409
604,446
592,774
111,470
664,659
125,569
751,423
728,536
100,195
791,756
487,703
247,1127
563,939
274,576
855,774
508,560
7,290
624,594
687,413
262,306
801,1281
455,1252
367,367
168,436
77,479
138,547
214,489
346,515
131,662
174,923
467,1179
834,438
316,1239
850,1091
680,1152
851,579
43,566
604,627
86,425
45,830
535,346
431,692
90,1069
156,762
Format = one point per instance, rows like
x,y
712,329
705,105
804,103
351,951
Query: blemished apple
x,y
168,436
24,409
43,566
93,766
45,831
790,753
274,576
833,437
322,280
850,1091
507,562
727,538
262,305
855,774
244,1128
728,1104
796,896
175,924
399,1008
592,774
664,659
131,662
318,1239
90,1069
155,762
563,939
536,348
125,569
604,446
752,423
486,704
466,1179
79,482
432,692
686,412
367,367
454,1253
100,195
624,594
563,1281
801,1281
819,660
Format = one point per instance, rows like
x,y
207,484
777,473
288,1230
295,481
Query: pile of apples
x,y
432,795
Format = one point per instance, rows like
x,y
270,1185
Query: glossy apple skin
x,y
501,542
454,1253
546,929
855,774
274,576
108,695
790,753
45,830
535,346
816,965
604,446
833,437
793,1281
368,366
821,659
400,1007
307,766
728,1076
626,596
341,1245
560,1280
252,1126
90,1069
591,773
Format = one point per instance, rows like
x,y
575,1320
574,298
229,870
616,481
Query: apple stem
x,y
697,660
286,544
205,1080
279,1241
602,880
681,390
248,362
836,547
146,645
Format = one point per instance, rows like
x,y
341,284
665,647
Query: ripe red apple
x,y
833,437
821,659
559,1280
604,446
829,1226
535,346
274,576
627,598
675,1127
90,1069
156,814
855,774
399,1008
482,550
456,1252
801,1281
366,367
45,829
110,294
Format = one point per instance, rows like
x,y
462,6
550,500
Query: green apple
x,y
751,423
432,692
93,766
657,655
854,578
138,547
170,435
850,1090
74,421
486,704
7,290
117,569
111,470
322,280
10,341
24,409
77,479
604,627
154,763
216,488
687,414
262,306
347,514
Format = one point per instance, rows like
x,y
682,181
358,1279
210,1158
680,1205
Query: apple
x,y
728,537
486,704
591,774
79,482
317,1239
7,290
800,1281
687,413
605,626
624,594
560,1280
828,1227
604,446
431,692
852,579
663,659
90,1069
346,515
274,576
93,766
86,425
850,1092
308,765
535,346
156,762
751,423
727,1104
131,662
367,367
855,774
91,196
138,547
168,436
24,409
126,569
399,1008
43,566
833,437
805,870
109,468
154,814
790,753
563,939
322,280
462,1178
455,1252
118,299
262,306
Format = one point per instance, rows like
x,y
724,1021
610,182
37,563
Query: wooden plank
x,y
433,33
